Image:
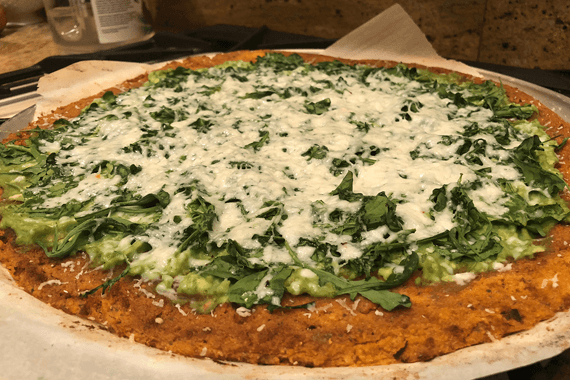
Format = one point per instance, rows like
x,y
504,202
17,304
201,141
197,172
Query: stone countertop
x,y
25,46
519,33
516,33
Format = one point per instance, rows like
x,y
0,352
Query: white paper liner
x,y
83,79
39,342
393,36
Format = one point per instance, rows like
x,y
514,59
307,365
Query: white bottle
x,y
83,26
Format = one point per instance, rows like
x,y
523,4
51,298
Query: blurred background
x,y
511,32
526,34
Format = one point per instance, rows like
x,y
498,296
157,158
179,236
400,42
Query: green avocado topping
x,y
241,182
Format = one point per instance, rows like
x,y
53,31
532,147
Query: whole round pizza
x,y
294,209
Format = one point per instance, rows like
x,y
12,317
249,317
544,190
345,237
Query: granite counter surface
x,y
25,46
519,33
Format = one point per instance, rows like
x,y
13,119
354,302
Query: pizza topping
x,y
500,267
143,290
342,302
312,308
243,312
70,265
245,181
464,278
50,282
180,310
554,281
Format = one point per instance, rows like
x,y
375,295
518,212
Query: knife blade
x,y
17,122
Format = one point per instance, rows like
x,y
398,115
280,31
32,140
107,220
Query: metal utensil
x,y
18,122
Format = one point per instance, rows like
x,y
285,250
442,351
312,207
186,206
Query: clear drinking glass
x,y
83,26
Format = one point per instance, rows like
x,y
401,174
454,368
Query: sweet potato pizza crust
x,y
337,332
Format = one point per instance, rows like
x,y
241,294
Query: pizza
x,y
294,209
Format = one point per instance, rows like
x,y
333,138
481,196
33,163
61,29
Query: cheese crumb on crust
x,y
243,312
50,282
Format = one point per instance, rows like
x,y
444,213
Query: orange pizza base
x,y
338,332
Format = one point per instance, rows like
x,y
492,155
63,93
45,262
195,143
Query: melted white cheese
x,y
183,156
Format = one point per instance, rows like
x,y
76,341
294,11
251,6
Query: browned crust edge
x,y
443,318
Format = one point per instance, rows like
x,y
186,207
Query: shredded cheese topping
x,y
281,166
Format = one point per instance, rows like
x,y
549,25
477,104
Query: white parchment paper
x,y
39,342
83,79
393,36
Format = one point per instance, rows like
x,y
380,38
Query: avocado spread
x,y
244,181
